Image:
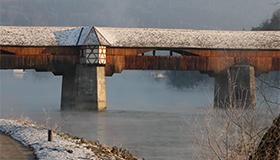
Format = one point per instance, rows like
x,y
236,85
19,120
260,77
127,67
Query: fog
x,y
130,90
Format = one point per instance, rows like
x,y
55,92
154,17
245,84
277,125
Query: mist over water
x,y
138,90
143,114
130,90
29,90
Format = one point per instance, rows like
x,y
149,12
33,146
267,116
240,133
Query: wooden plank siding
x,y
207,60
63,59
126,51
235,53
54,59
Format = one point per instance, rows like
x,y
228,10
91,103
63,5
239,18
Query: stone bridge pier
x,y
84,88
235,87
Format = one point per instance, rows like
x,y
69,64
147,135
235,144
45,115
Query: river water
x,y
143,115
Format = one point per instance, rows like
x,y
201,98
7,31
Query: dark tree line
x,y
186,79
272,24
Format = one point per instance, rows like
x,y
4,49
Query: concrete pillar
x,y
85,90
235,87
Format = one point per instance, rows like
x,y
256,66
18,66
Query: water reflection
x,y
152,135
89,125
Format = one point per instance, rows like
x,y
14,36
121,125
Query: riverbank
x,y
9,146
63,146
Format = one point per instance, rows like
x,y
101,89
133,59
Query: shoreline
x,y
64,146
10,146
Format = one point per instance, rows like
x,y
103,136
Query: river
x,y
143,115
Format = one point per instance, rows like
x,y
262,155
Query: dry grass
x,y
233,132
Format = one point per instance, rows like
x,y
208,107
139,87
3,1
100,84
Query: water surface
x,y
143,114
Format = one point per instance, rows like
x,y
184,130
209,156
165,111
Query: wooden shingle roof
x,y
138,37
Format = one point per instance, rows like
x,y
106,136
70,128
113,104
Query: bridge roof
x,y
138,37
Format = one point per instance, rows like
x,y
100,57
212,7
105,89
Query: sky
x,y
188,14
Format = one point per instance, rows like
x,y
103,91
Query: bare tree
x,y
233,132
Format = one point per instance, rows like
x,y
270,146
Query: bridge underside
x,y
66,61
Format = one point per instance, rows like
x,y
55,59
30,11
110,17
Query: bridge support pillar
x,y
235,87
85,90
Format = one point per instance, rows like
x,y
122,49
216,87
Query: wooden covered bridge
x,y
85,55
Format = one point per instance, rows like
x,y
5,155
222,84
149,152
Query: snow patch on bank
x,y
62,147
37,138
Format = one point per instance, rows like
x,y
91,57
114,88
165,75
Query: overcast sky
x,y
188,14
194,14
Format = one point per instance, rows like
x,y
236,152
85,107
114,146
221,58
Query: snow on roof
x,y
91,38
88,37
186,38
138,37
67,37
38,36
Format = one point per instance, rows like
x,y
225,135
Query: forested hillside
x,y
270,24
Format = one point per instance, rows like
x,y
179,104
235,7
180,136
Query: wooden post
x,y
171,53
50,135
154,52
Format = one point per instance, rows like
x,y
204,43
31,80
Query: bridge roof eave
x,y
189,38
48,36
139,38
194,48
39,36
